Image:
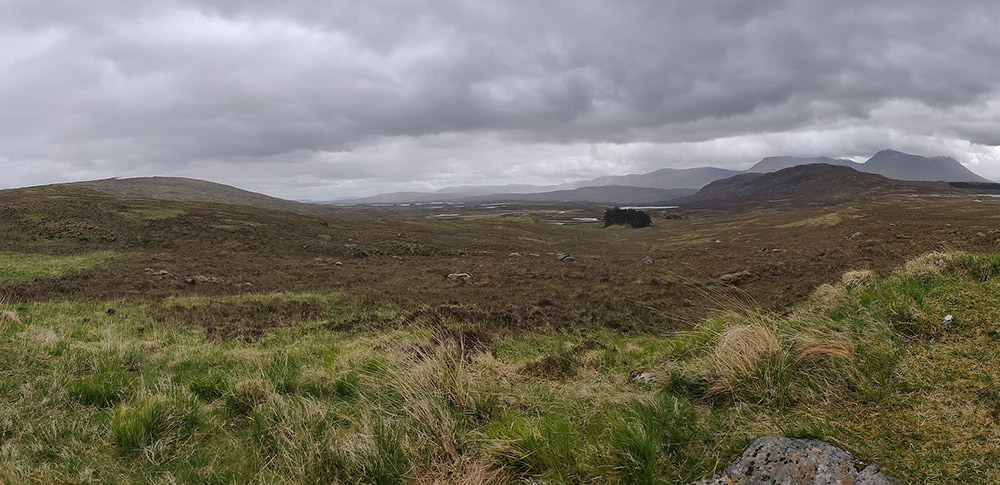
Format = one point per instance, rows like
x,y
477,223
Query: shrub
x,y
633,217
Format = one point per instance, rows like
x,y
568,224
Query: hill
x,y
773,164
816,184
904,166
193,190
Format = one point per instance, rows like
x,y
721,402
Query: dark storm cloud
x,y
328,95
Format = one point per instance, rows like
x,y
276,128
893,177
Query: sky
x,y
325,99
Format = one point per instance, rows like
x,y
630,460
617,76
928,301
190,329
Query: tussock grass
x,y
857,278
134,397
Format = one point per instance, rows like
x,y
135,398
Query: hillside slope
x,y
773,164
817,184
193,190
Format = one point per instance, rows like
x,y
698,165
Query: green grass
x,y
25,267
147,395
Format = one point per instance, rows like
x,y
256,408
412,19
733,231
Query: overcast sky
x,y
319,99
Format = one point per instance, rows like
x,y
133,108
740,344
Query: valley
x,y
149,339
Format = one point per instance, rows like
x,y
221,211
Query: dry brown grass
x,y
813,349
741,348
10,316
929,264
828,294
857,278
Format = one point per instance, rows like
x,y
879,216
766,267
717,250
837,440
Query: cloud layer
x,y
322,99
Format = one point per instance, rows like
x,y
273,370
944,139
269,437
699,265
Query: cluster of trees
x,y
633,217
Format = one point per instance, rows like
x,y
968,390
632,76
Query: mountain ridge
x,y
889,163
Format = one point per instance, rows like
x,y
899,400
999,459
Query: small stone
x,y
459,277
338,263
947,320
646,260
856,235
641,376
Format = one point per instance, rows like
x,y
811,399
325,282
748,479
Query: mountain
x,y
611,194
193,190
816,184
663,179
666,178
405,197
495,189
888,163
904,166
773,164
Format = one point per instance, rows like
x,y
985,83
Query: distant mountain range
x,y
768,179
888,163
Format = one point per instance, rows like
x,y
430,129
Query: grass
x,y
25,267
145,394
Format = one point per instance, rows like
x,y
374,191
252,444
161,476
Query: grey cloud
x,y
174,86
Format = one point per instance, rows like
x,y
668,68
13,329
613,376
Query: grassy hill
x,y
193,190
815,184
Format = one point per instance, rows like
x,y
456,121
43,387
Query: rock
x,y
733,278
643,376
946,322
566,258
646,260
338,263
459,277
162,272
771,460
856,235
199,279
717,241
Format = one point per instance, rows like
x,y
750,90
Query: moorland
x,y
151,340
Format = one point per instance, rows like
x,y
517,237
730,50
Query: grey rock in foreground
x,y
787,461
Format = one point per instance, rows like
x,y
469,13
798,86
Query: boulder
x,y
771,460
